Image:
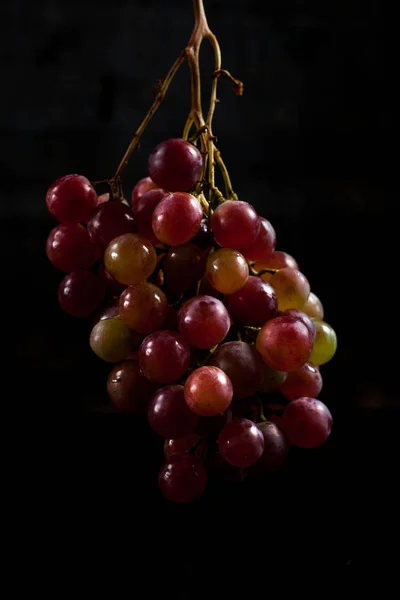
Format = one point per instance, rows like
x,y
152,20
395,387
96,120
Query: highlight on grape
x,y
211,333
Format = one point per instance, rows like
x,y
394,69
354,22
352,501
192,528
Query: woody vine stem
x,y
203,134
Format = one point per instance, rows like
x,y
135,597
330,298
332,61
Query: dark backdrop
x,y
308,145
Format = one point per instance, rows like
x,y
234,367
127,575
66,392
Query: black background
x,y
309,144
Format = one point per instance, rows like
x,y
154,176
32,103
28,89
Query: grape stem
x,y
262,271
262,415
208,148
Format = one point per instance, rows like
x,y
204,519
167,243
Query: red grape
x,y
278,260
227,270
71,199
112,341
144,185
168,413
69,248
307,422
264,245
108,221
208,391
284,343
130,258
143,307
241,443
203,238
128,389
145,207
254,304
182,478
203,321
80,293
235,224
298,314
175,165
183,266
164,356
181,445
176,219
243,365
313,307
306,381
276,448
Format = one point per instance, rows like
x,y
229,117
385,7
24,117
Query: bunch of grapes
x,y
213,335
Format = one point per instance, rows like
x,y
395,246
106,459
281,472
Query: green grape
x,y
325,343
130,258
111,340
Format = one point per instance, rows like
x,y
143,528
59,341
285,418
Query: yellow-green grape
x,y
111,340
130,258
291,288
227,270
313,307
325,343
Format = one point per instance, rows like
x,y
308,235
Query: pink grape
x,y
264,245
208,391
306,381
143,185
227,270
298,314
176,219
241,443
108,221
164,356
307,422
169,415
242,364
276,448
143,307
175,165
145,207
129,391
71,199
278,260
235,224
284,343
80,293
69,248
254,304
203,321
182,478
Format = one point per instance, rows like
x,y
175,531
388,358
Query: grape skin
x,y
264,245
235,224
143,185
276,448
80,293
241,443
208,391
111,340
278,260
254,304
313,307
306,381
182,478
291,287
307,422
143,307
71,199
176,219
284,343
181,445
164,356
325,343
169,415
108,221
175,165
144,211
242,364
227,270
203,321
69,248
128,390
130,259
